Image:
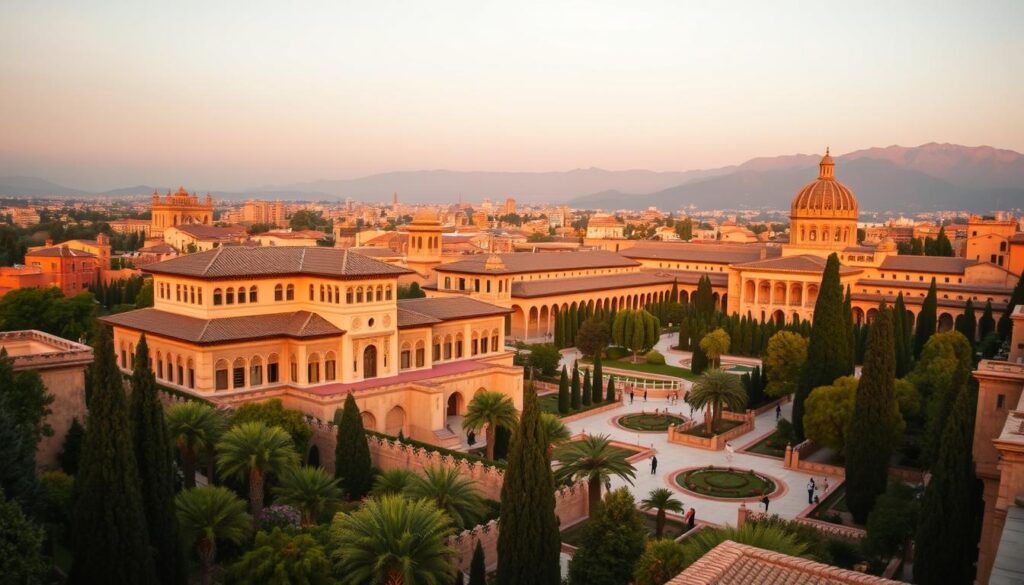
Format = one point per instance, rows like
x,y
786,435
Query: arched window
x,y
330,367
229,296
273,374
252,294
387,293
337,295
447,282
380,293
278,292
311,292
494,340
321,293
238,373
221,375
290,293
159,365
192,294
359,294
241,295
218,296
313,368
256,371
458,345
348,295
420,355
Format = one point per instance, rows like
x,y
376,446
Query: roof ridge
x,y
302,259
344,261
206,325
213,258
305,323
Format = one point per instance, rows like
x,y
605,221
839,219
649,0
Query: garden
x,y
649,422
726,483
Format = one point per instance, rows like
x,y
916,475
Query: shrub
x,y
278,516
654,357
616,353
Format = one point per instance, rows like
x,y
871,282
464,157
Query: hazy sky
x,y
230,94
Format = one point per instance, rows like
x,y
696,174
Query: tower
x,y
424,238
823,216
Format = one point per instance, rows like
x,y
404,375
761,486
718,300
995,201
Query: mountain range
x,y
894,178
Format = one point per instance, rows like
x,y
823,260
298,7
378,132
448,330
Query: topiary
x,y
655,358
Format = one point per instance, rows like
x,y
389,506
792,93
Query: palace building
x,y
179,209
311,324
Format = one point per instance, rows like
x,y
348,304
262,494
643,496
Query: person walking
x,y
824,485
765,501
729,452
631,397
691,519
654,464
778,411
810,490
645,395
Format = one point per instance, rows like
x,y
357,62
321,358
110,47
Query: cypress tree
x,y
154,458
352,464
529,544
966,323
850,333
704,299
110,538
478,566
926,320
828,352
987,323
943,247
946,543
876,421
699,359
598,381
901,335
563,393
673,295
1016,298
611,389
559,330
574,388
570,327
588,390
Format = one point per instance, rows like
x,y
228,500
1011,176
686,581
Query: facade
x,y
604,226
71,266
179,208
288,238
131,226
310,325
995,240
21,216
266,212
199,237
61,364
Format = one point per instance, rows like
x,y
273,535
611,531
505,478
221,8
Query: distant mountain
x,y
34,186
931,176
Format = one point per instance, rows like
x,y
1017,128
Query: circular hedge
x,y
726,483
649,422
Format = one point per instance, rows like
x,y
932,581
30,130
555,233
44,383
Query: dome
x,y
425,216
825,196
886,245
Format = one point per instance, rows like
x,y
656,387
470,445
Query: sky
x,y
231,95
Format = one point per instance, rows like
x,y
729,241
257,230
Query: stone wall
x,y
796,459
678,434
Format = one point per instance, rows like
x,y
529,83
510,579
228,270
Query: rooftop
x,y
522,262
416,312
31,349
937,264
241,262
298,324
59,252
700,252
210,232
798,263
557,286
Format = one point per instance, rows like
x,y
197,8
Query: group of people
x,y
672,398
812,490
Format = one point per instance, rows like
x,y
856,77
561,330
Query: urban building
x,y
190,237
179,208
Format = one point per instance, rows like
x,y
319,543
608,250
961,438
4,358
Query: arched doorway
x,y
313,459
454,404
395,421
945,322
369,421
370,361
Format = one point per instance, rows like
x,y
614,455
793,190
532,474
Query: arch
x,y
290,292
313,457
945,323
872,315
256,371
253,295
370,361
218,296
220,374
779,317
313,368
330,367
684,296
238,373
369,421
812,295
858,315
749,291
394,422
779,294
455,405
764,291
796,291
278,292
273,373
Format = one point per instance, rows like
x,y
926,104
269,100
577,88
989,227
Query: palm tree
x,y
662,500
596,460
194,425
767,536
209,514
555,430
309,489
252,451
716,389
493,410
451,494
391,481
392,540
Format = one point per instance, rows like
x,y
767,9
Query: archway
x,y
370,361
779,317
369,421
455,403
395,421
313,458
945,322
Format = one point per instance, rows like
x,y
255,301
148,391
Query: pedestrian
x,y
471,438
810,491
631,397
645,395
778,411
824,485
691,519
765,501
654,464
729,452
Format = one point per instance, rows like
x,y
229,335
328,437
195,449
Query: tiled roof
x,y
413,312
691,252
522,262
938,264
912,300
731,563
1008,567
294,235
210,232
694,276
240,262
558,286
798,263
298,324
60,252
967,288
374,251
161,248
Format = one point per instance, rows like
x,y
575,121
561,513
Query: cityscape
x,y
411,294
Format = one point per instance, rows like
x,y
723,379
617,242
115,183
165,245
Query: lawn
x,y
725,425
774,445
549,403
725,483
650,422
573,535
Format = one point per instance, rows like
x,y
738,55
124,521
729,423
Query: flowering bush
x,y
278,516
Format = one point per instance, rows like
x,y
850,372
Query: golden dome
x,y
425,215
825,196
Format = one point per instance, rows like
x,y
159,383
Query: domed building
x,y
824,214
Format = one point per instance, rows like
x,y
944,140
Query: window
x,y
458,348
321,293
1000,401
290,293
311,292
404,363
494,340
177,289
483,344
488,286
191,374
272,371
359,294
252,294
462,284
476,285
256,372
420,361
474,346
279,292
200,295
241,295
348,295
229,296
221,376
192,294
447,282
387,293
330,368
238,375
380,293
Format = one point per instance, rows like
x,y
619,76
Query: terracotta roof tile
x,y
699,252
60,252
939,264
298,324
522,262
210,232
239,262
444,309
799,263
558,286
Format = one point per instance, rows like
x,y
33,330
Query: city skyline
x,y
102,95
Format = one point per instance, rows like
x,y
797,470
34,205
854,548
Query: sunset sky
x,y
229,95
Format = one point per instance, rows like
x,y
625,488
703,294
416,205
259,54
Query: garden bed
x,y
725,483
774,445
661,369
833,509
573,535
649,422
549,403
723,426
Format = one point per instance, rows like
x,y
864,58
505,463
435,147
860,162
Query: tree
x,y
764,535
110,538
926,320
903,335
1005,324
786,355
612,543
491,410
636,330
987,323
282,558
563,393
966,323
48,310
940,375
352,464
829,410
892,522
715,345
574,388
154,457
715,390
946,543
529,544
828,352
592,337
698,360
545,357
391,481
24,406
555,430
392,540
661,560
663,500
21,546
193,426
478,566
310,490
595,460
587,390
453,495
611,389
273,413
207,515
413,291
704,298
876,424
598,382
252,451
71,449
943,247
